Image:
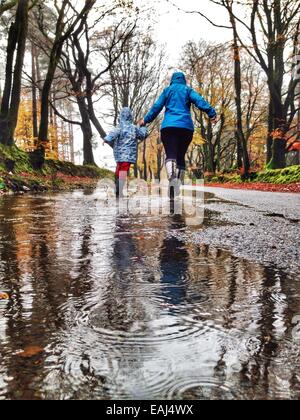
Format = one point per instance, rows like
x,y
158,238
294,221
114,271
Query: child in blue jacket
x,y
124,140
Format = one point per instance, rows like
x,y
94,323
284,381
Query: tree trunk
x,y
218,142
38,76
145,161
22,20
94,118
211,150
54,122
54,58
238,92
44,123
12,91
71,139
279,154
10,52
239,152
86,127
242,143
209,159
159,161
278,111
270,132
278,160
34,93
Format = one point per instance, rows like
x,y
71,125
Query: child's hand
x,y
141,123
214,121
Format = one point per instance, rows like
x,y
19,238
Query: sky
x,y
174,28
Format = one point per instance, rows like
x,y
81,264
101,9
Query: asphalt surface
x,y
259,226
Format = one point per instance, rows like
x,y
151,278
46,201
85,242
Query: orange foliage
x,y
58,135
295,147
30,352
24,131
257,148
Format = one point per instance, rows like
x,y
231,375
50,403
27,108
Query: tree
x,y
24,132
134,79
209,69
151,156
254,110
84,83
273,27
6,5
34,59
241,140
63,30
60,139
13,74
278,22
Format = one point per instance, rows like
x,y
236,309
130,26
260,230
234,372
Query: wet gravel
x,y
258,226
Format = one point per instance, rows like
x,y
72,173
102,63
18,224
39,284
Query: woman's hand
x,y
213,121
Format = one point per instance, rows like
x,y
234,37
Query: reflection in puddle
x,y
124,307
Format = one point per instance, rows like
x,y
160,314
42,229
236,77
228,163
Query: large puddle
x,y
120,307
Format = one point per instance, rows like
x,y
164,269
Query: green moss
x,y
280,176
225,178
22,164
17,157
288,175
14,162
270,166
68,168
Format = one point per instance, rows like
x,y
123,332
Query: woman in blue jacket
x,y
178,128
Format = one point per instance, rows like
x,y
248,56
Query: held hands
x,y
214,121
105,142
141,123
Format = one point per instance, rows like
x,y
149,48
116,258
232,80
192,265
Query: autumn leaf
x,y
4,296
30,351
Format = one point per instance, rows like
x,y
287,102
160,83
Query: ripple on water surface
x,y
131,307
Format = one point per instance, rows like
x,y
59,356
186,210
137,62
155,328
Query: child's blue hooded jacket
x,y
124,139
178,99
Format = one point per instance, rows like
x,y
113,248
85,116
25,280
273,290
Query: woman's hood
x,y
179,78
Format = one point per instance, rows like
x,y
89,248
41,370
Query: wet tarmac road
x,y
110,306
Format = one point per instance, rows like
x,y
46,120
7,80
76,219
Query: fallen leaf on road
x,y
30,351
4,296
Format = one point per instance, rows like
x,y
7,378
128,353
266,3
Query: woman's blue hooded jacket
x,y
177,99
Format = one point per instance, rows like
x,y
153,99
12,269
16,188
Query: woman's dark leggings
x,y
176,142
